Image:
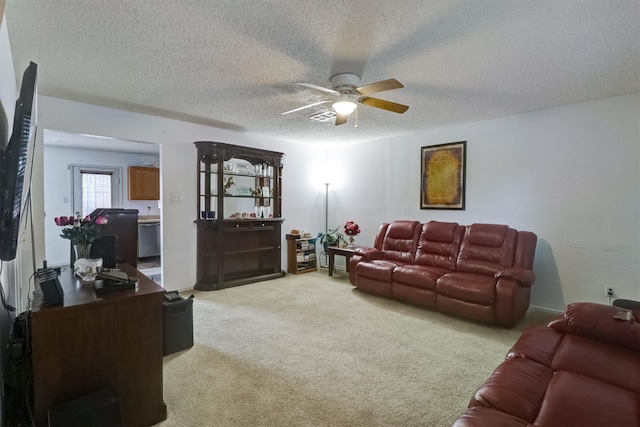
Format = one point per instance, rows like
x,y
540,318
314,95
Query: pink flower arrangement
x,y
80,230
351,228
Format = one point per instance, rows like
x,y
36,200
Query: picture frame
x,y
443,176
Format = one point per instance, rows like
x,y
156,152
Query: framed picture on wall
x,y
443,176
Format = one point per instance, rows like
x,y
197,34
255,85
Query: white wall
x,y
57,189
178,173
570,174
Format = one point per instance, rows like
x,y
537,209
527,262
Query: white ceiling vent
x,y
325,116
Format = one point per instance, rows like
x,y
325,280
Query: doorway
x,y
61,152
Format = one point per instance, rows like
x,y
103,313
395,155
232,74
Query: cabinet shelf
x,y
234,251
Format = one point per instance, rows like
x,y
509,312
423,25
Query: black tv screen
x,y
16,163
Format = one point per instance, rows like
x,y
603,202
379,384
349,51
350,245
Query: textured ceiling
x,y
233,64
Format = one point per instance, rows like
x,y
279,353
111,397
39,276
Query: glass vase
x,y
352,242
85,267
83,250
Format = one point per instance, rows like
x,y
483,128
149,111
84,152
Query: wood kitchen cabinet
x,y
239,222
144,183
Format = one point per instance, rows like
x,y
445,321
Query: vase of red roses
x,y
351,229
82,232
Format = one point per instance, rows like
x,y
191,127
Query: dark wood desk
x,y
333,251
88,343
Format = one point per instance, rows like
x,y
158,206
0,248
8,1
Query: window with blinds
x,y
95,187
96,191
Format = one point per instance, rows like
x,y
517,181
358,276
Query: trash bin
x,y
177,313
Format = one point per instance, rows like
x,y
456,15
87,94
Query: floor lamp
x,y
326,219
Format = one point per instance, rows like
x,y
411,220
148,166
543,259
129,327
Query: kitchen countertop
x,y
146,219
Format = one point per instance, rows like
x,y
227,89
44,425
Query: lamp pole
x,y
326,217
326,206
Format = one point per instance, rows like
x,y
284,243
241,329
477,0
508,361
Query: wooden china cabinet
x,y
239,215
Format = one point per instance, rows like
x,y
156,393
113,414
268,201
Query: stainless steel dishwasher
x,y
148,239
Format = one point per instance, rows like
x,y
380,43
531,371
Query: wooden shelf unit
x,y
301,254
231,250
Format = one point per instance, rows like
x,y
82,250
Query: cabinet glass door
x,y
208,188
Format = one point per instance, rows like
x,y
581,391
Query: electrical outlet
x,y
609,291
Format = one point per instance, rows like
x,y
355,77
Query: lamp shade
x,y
344,105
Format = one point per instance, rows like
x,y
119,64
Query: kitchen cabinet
x,y
239,221
144,183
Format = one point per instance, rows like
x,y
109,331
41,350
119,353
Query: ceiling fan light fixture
x,y
344,105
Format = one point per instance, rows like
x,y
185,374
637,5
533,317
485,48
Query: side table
x,y
335,250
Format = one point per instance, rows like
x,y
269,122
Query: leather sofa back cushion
x,y
382,231
486,249
487,234
439,244
443,232
400,241
597,321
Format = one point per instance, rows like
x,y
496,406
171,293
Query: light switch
x,y
175,197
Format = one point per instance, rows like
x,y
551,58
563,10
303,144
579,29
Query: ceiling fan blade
x,y
385,105
303,107
379,86
340,119
325,89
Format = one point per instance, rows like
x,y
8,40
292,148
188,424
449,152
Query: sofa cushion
x,y
597,321
437,231
539,343
573,400
418,276
604,362
400,241
376,269
486,249
490,235
517,387
468,287
439,244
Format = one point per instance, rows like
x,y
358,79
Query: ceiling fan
x,y
349,94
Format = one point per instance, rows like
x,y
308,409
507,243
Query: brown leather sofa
x,y
581,370
481,272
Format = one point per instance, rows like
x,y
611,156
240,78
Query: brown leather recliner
x,y
583,369
398,247
481,272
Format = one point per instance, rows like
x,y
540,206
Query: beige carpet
x,y
311,350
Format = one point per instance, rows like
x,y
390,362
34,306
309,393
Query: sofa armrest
x,y
368,254
523,276
599,322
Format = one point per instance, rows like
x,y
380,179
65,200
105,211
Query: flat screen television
x,y
16,163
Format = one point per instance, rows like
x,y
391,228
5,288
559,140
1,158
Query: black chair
x,y
122,223
106,247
